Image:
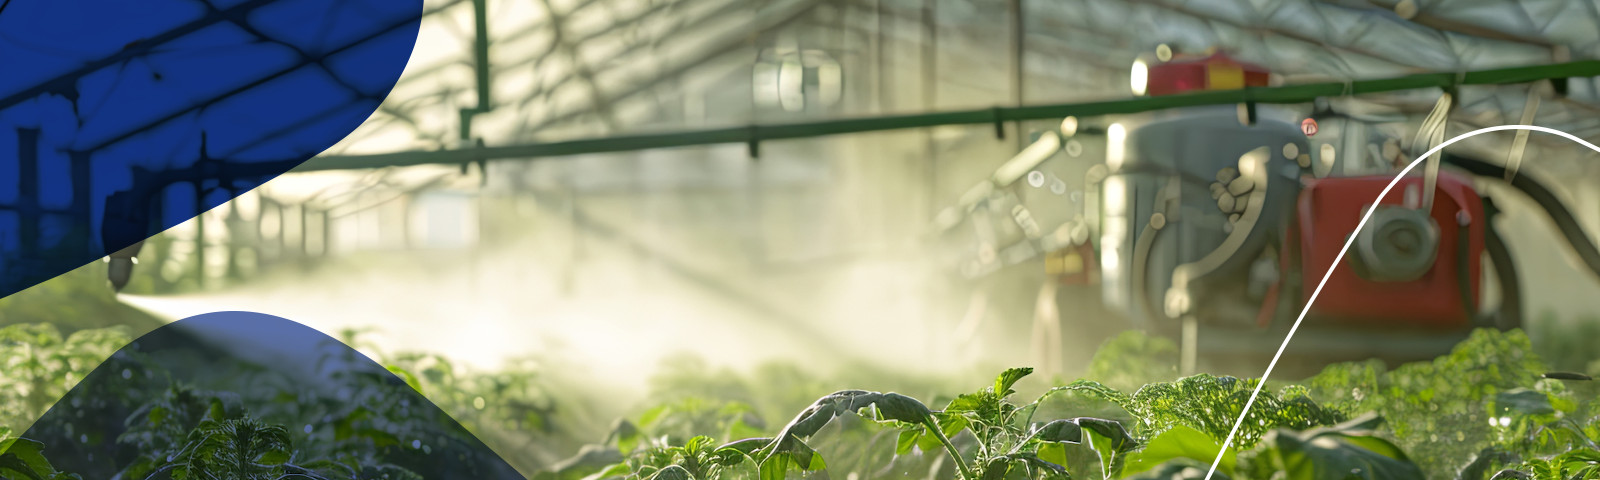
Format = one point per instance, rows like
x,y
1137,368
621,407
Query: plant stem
x,y
961,463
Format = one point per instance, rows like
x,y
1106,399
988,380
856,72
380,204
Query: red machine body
x,y
1208,72
1329,210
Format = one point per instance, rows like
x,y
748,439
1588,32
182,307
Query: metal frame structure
x,y
753,135
534,79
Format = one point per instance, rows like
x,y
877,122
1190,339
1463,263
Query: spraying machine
x,y
1214,225
1209,221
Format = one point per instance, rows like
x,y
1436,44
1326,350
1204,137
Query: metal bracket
x,y
999,124
480,55
1430,178
753,145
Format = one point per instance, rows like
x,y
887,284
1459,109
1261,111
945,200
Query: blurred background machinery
x,y
585,172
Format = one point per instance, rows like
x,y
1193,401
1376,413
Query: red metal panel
x,y
1329,210
1169,79
1182,75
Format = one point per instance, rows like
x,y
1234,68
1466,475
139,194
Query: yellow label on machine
x,y
1064,263
1222,76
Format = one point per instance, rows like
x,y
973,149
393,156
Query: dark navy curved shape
x,y
333,402
120,119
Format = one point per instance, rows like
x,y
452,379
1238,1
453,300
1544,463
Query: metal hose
x,y
1141,266
1565,222
1510,286
1164,205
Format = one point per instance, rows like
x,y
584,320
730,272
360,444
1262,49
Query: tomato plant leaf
x,y
1060,431
624,435
672,472
901,408
996,469
981,407
1509,474
1002,384
25,457
1523,401
1105,448
1330,454
1053,452
1178,442
907,440
1051,469
1118,439
789,453
949,424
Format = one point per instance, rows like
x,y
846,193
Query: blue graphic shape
x,y
120,119
142,413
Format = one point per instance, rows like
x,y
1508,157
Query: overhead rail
x,y
753,135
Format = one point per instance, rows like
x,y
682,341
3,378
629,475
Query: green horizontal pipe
x,y
758,133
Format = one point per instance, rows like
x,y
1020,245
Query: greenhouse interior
x,y
864,239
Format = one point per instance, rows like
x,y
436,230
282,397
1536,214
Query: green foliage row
x,y
182,432
1489,409
985,436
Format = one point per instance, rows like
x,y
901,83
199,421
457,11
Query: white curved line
x,y
1339,258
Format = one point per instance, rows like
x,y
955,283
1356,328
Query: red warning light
x,y
1309,126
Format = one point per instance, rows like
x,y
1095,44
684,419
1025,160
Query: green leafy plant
x,y
1542,434
1132,359
1436,410
1347,451
1009,444
161,429
691,416
243,448
246,448
1009,439
1579,464
21,458
1211,405
40,365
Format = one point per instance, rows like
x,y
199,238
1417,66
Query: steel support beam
x,y
66,85
304,62
757,133
765,22
597,98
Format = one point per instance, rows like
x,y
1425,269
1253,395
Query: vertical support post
x,y
480,66
406,209
1190,348
28,191
480,51
232,245
880,54
327,233
930,56
283,230
1047,330
160,248
476,247
305,244
199,237
270,248
930,97
81,186
1018,43
569,277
